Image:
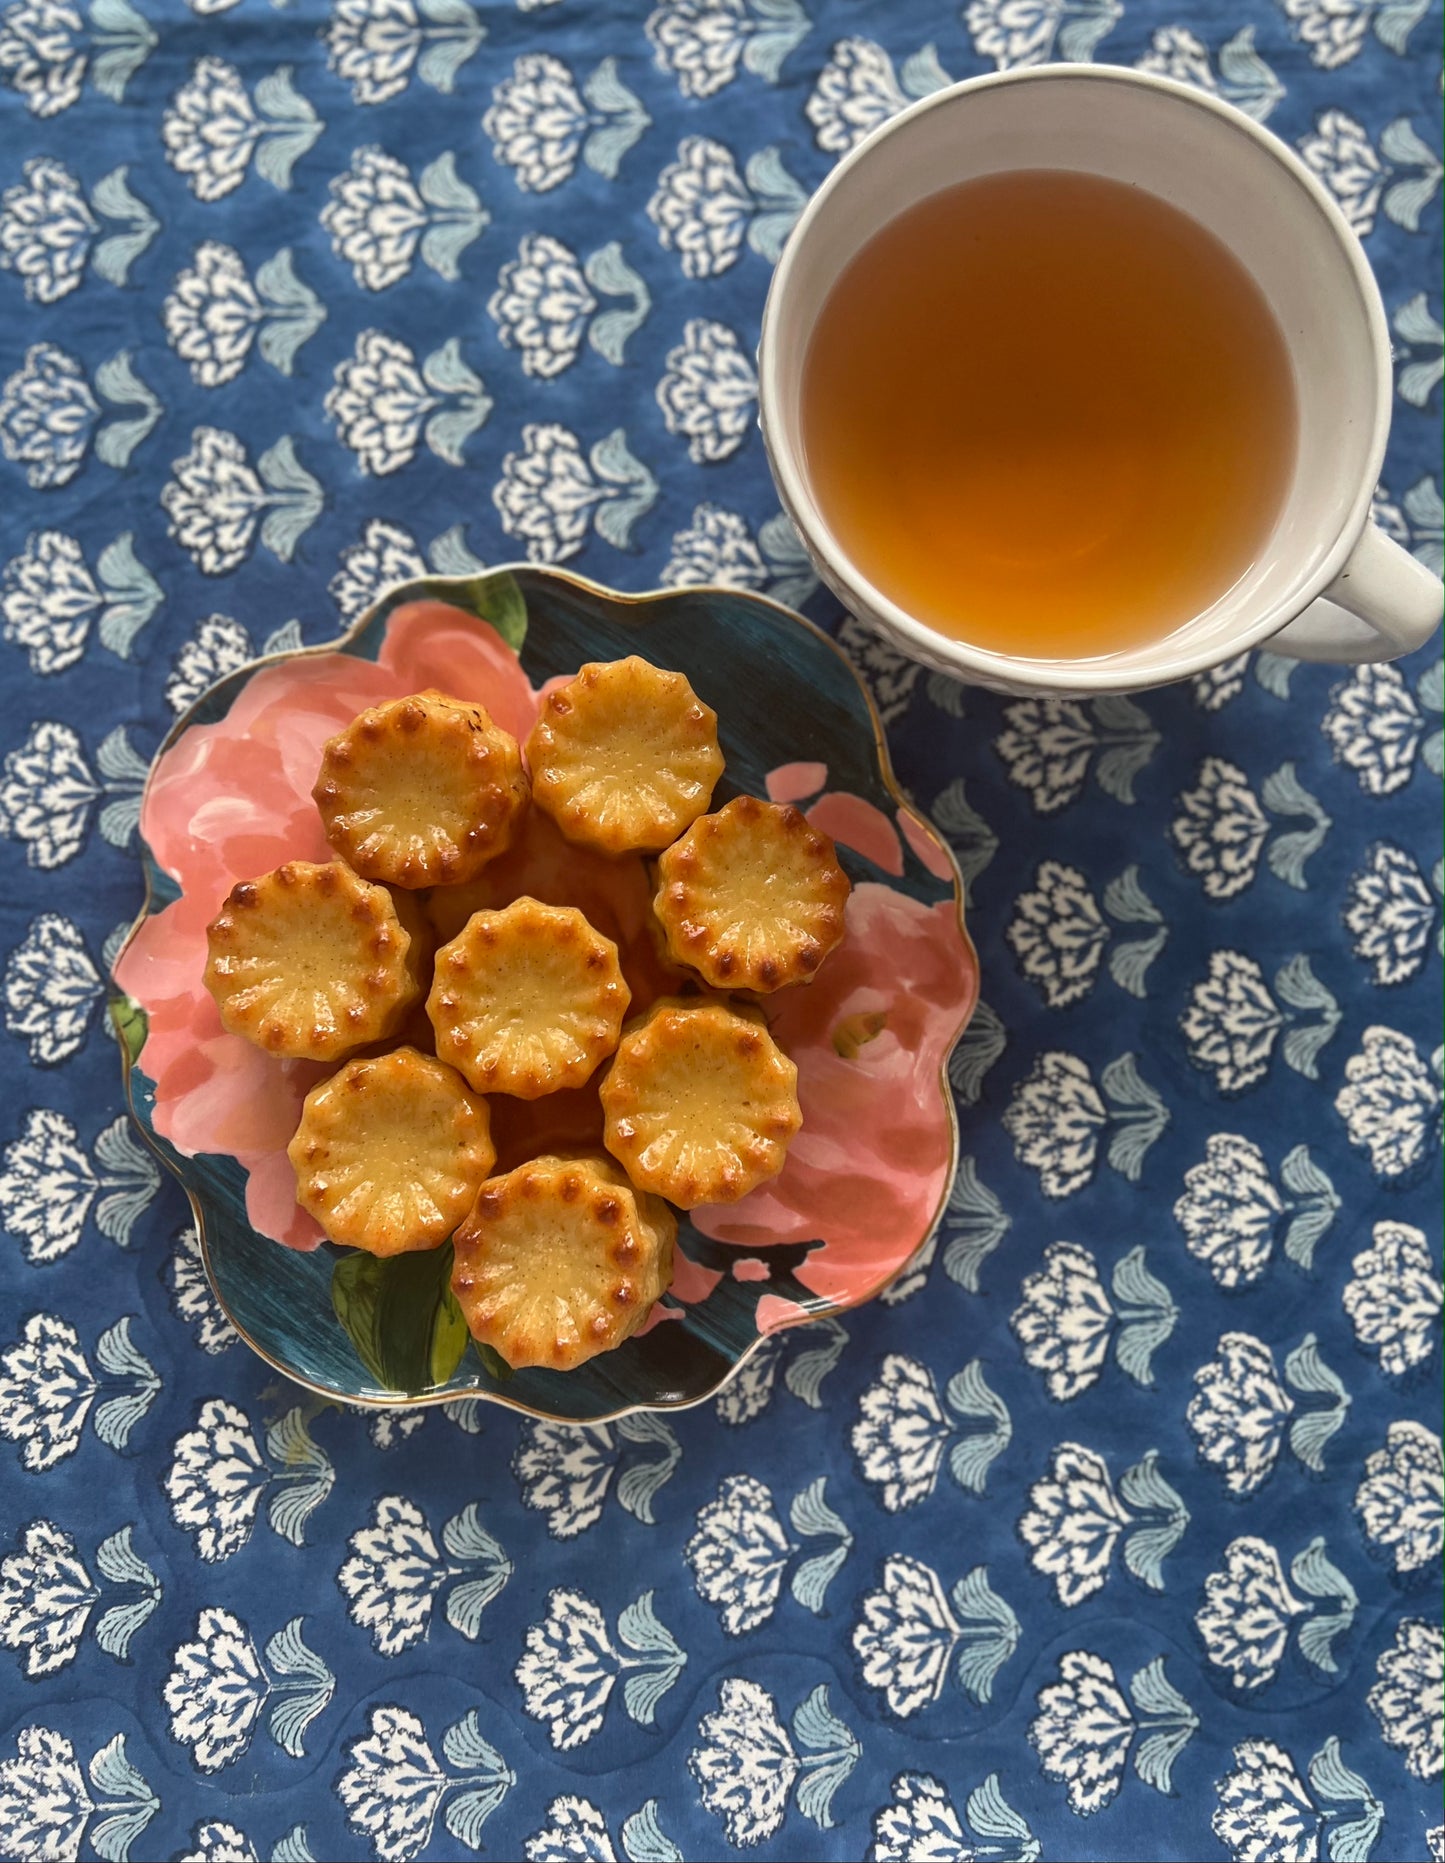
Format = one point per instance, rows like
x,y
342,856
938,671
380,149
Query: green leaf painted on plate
x,y
129,1021
499,601
400,1315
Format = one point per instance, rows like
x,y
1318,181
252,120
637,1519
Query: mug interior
x,y
1209,163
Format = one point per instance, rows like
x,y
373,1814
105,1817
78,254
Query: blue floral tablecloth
x,y
1114,1529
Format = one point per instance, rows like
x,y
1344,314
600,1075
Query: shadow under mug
x,y
1328,584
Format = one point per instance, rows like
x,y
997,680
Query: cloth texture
x,y
1113,1529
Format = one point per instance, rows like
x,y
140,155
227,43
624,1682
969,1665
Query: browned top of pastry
x,y
420,792
311,961
700,1102
391,1152
752,897
624,756
561,1259
527,1000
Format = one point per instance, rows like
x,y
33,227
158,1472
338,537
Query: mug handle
x,y
1381,605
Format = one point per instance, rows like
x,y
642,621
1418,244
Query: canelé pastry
x,y
752,897
624,756
700,1102
612,892
563,1122
391,1152
312,962
527,1000
561,1259
423,791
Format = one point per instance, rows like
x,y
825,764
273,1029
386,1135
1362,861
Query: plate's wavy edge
x,y
405,1400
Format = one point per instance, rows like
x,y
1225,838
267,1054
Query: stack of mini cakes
x,y
471,959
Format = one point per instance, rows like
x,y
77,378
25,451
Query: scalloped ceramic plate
x,y
229,797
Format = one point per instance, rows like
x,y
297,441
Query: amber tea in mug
x,y
1048,414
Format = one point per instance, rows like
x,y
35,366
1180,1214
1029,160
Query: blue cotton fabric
x,y
1113,1529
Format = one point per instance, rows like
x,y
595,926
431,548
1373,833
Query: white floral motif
x,y
394,1785
1247,82
216,1841
1399,1501
48,1185
541,305
1230,1210
373,45
909,1635
395,1572
1247,1613
1074,1521
383,554
215,500
1406,1698
1374,728
1057,1117
699,41
708,391
1047,746
381,401
48,598
1389,912
739,1553
550,492
1220,830
47,416
45,1806
1341,154
537,121
701,208
217,1690
47,791
1054,1120
1232,1022
1394,1297
702,42
1084,1729
46,230
38,55
217,1477
704,210
218,646
1240,1411
1390,1101
569,1667
858,89
214,314
746,1766
1334,30
46,1597
47,1389
51,988
920,1824
1264,1810
1026,32
1058,934
191,1295
212,130
717,547
903,1431
377,217
576,1832
1065,1321
889,674
539,124
1266,1815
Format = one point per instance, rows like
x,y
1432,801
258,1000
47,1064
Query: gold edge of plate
x,y
417,1400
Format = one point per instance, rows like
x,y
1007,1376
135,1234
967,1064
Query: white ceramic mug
x,y
1328,584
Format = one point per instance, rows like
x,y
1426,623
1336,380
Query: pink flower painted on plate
x,y
868,1171
233,799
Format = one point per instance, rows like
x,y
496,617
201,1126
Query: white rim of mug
x,y
938,648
